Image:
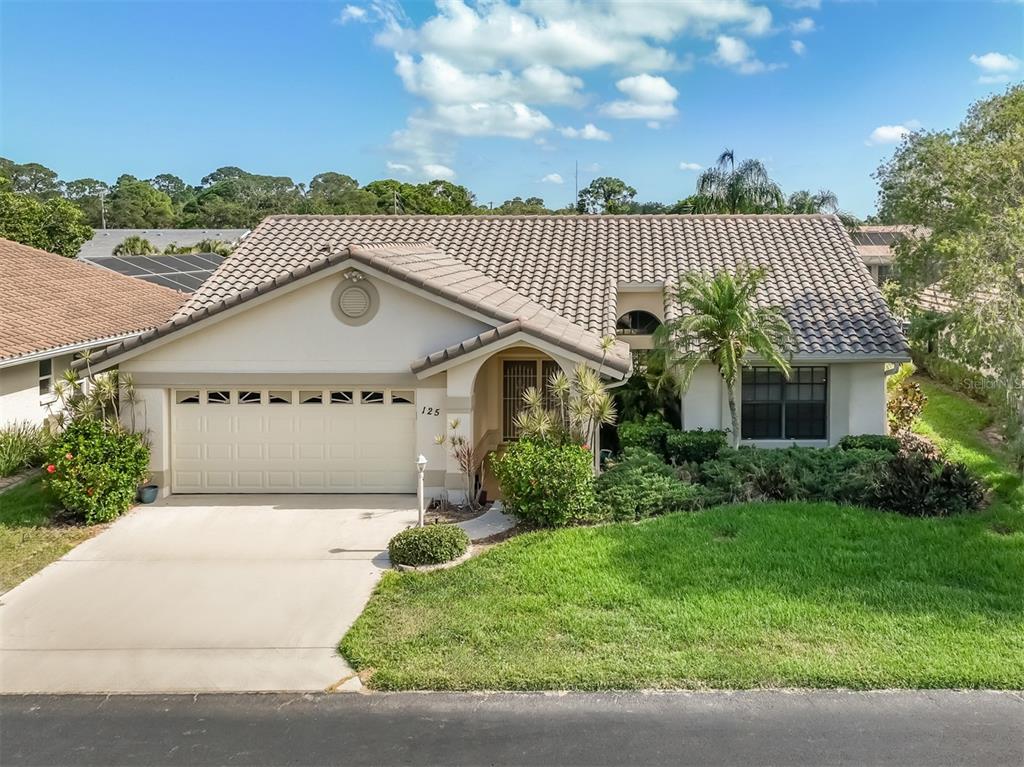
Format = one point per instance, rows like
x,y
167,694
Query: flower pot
x,y
148,493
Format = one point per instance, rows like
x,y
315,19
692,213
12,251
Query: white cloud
x,y
484,118
812,5
553,178
995,67
441,82
649,98
798,47
802,26
352,13
399,167
654,125
434,170
733,53
891,134
588,132
690,166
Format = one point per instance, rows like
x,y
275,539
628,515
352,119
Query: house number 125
x,y
431,411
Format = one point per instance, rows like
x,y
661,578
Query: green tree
x,y
517,206
88,194
732,188
55,224
134,245
338,193
134,204
31,178
606,194
721,323
966,186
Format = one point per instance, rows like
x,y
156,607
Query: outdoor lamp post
x,y
421,464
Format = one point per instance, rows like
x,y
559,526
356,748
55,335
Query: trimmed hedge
x,y
640,486
870,442
655,435
430,545
545,484
650,434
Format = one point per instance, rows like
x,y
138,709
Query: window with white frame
x,y
45,377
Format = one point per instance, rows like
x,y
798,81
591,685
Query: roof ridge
x,y
542,216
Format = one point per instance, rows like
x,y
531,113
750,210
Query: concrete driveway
x,y
203,593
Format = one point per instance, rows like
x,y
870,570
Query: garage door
x,y
293,441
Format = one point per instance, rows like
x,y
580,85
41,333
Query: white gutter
x,y
56,351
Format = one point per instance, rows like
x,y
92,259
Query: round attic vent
x,y
354,302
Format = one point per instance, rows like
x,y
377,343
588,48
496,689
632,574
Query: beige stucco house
x,y
327,353
53,308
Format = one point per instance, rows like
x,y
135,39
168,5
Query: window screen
x,y
774,408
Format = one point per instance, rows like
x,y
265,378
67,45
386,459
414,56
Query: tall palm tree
x,y
722,323
822,201
732,188
134,245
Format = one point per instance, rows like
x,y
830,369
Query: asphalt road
x,y
778,728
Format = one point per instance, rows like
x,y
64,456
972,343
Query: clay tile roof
x,y
571,265
48,302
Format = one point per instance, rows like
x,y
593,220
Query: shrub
x,y
870,442
546,484
694,446
95,469
640,486
796,473
650,434
430,545
919,486
905,404
915,443
22,446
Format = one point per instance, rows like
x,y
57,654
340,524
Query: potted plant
x,y
148,493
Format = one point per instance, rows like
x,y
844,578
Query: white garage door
x,y
293,441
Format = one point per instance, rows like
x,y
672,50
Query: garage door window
x,y
403,398
341,398
187,397
218,398
249,397
311,397
279,397
372,398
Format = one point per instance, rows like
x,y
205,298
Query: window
x,y
341,398
311,398
218,398
517,377
774,408
637,323
187,397
372,397
884,273
279,397
250,397
403,398
45,377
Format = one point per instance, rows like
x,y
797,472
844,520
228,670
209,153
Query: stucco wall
x,y
856,402
19,391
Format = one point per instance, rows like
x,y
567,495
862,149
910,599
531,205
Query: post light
x,y
421,465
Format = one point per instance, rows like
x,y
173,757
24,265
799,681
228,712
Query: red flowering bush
x,y
95,469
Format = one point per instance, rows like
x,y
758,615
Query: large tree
x,y
965,187
134,204
339,193
731,188
89,194
722,323
54,224
606,194
31,178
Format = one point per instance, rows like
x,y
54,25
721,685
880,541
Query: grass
x,y
30,538
752,595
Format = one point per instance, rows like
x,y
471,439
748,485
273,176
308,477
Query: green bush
x,y
640,486
95,469
430,545
919,486
545,484
650,434
694,446
906,403
793,474
22,446
870,442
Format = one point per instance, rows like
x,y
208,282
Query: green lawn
x,y
754,595
29,538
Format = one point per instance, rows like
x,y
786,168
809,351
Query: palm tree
x,y
822,201
134,245
722,322
731,188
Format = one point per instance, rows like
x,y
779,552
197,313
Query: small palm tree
x,y
732,188
721,322
134,245
822,201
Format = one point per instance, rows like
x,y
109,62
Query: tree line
x,y
39,208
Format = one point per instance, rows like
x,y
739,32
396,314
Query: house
x,y
52,308
327,352
103,241
876,244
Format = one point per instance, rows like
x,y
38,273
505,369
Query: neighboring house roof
x,y
426,268
573,265
183,271
876,242
51,303
104,241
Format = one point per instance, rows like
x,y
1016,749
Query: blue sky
x,y
497,96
